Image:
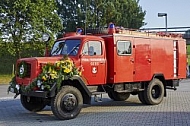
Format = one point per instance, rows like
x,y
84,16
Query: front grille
x,y
28,74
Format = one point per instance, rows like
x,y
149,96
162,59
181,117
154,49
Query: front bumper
x,y
38,93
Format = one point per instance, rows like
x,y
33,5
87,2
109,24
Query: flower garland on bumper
x,y
51,74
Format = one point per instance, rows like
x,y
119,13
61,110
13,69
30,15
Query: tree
x,y
99,13
25,21
132,15
71,13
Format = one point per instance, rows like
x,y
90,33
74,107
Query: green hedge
x,y
7,60
6,65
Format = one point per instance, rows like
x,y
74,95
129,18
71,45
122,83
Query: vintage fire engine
x,y
116,61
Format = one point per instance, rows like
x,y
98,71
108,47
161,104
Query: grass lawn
x,y
5,79
188,53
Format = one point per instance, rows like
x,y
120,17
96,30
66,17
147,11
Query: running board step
x,y
98,93
96,98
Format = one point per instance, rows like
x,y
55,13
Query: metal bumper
x,y
42,94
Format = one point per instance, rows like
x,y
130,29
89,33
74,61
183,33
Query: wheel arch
x,y
161,77
77,82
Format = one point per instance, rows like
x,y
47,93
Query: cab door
x,y
93,62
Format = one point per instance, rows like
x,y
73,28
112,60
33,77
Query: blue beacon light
x,y
79,31
112,25
111,28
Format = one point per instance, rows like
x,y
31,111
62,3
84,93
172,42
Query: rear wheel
x,y
154,92
141,97
33,104
110,95
119,96
68,103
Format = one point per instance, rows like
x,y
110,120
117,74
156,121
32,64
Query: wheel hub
x,y
69,102
155,92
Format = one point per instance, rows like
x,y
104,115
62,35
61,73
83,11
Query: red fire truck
x,y
115,61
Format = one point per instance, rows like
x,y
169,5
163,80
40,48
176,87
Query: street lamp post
x,y
164,15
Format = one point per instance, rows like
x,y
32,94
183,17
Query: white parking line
x,y
7,98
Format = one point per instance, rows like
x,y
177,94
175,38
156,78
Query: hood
x,y
41,59
32,67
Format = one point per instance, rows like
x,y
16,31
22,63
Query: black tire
x,y
154,92
110,95
67,104
97,31
116,96
134,93
141,97
33,104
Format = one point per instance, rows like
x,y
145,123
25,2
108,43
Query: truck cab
x,y
88,53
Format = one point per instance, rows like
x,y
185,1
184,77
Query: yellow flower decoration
x,y
67,70
58,64
53,76
56,73
80,73
44,78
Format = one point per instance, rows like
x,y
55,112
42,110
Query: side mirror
x,y
46,38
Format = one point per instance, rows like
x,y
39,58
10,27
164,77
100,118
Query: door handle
x,y
132,60
149,60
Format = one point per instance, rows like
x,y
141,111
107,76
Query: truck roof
x,y
102,33
81,37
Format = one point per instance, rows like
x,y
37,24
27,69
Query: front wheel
x,y
154,92
33,104
68,103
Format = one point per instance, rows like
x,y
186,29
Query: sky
x,y
178,13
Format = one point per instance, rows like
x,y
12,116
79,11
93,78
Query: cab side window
x,y
92,48
124,48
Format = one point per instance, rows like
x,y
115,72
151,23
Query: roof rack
x,y
111,29
139,32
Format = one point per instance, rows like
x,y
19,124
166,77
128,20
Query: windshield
x,y
66,47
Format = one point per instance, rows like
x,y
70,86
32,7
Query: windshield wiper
x,y
58,48
74,49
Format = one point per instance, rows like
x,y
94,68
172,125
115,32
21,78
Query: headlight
x,y
17,87
39,83
42,87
